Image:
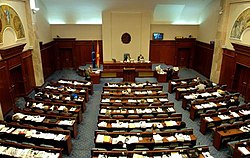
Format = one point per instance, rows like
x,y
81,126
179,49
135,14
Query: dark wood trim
x,y
235,69
202,59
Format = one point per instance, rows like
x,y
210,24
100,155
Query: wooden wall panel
x,y
48,51
235,70
28,72
203,57
227,68
84,52
6,98
162,52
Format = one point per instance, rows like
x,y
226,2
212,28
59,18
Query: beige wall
x,y
78,31
171,31
115,24
43,26
236,8
209,22
9,36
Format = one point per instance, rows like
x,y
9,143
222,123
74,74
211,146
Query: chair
x,y
162,115
136,130
222,110
148,116
118,116
232,108
210,111
133,116
99,149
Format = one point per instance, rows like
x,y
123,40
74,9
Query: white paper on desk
x,y
157,138
179,137
159,125
244,150
106,92
209,119
173,83
67,98
72,109
66,122
105,100
103,111
118,101
138,156
175,155
234,114
131,101
207,155
99,138
183,82
223,103
171,138
150,100
133,139
131,111
181,89
170,123
60,137
199,106
159,110
61,108
187,137
171,109
102,124
163,99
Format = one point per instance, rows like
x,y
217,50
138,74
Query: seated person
x,y
200,86
140,58
127,58
87,73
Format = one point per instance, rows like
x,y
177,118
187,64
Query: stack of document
x,y
60,137
180,137
163,99
132,139
107,100
66,122
209,119
171,138
234,114
170,123
244,150
102,124
158,138
224,117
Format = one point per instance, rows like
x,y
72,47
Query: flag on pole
x,y
93,55
97,55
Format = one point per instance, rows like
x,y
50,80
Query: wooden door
x,y
6,98
66,58
242,82
183,57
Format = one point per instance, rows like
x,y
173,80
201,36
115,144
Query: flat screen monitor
x,y
157,36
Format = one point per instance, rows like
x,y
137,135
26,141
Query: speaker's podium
x,y
128,74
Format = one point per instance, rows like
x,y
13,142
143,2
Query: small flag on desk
x,y
93,55
97,55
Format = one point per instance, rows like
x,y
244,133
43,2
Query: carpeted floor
x,y
85,140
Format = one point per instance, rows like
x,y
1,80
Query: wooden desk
x,y
121,65
129,75
95,78
162,78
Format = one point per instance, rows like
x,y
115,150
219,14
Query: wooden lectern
x,y
128,74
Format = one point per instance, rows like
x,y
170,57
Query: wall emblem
x,y
241,24
9,18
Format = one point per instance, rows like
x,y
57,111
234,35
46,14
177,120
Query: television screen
x,y
157,36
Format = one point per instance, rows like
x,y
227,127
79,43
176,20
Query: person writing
x,y
140,58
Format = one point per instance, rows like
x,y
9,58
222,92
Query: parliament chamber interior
x,y
119,79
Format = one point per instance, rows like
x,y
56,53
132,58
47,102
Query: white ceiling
x,y
90,11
